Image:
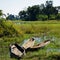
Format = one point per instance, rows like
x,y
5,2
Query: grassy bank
x,y
17,31
39,27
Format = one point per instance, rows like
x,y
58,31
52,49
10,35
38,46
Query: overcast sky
x,y
14,6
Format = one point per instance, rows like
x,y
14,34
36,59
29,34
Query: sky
x,y
14,6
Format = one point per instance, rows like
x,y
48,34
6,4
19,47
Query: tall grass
x,y
39,27
20,30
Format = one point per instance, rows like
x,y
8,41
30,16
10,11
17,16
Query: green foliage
x,y
30,29
42,17
52,17
8,28
58,16
50,11
38,27
33,12
1,12
38,12
23,15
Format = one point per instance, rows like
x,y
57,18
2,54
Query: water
x,y
37,39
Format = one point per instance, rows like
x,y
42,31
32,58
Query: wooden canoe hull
x,y
38,46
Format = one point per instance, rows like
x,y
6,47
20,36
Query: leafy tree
x,y
23,15
52,17
1,13
58,16
33,12
39,12
49,9
49,3
30,14
10,17
42,17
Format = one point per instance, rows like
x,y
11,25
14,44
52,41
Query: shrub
x,y
58,16
52,17
8,28
42,17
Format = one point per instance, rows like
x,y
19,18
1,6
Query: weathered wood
x,y
29,43
38,46
16,51
41,44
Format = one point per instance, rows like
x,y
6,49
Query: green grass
x,y
39,27
26,29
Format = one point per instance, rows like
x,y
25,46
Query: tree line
x,y
40,12
37,12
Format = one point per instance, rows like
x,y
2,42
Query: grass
x,y
27,29
39,27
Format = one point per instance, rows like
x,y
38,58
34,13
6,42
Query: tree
x,y
30,14
23,15
49,3
33,12
49,9
52,17
1,13
39,12
42,17
10,17
58,16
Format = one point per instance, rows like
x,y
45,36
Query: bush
x,y
52,17
8,28
58,16
42,17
